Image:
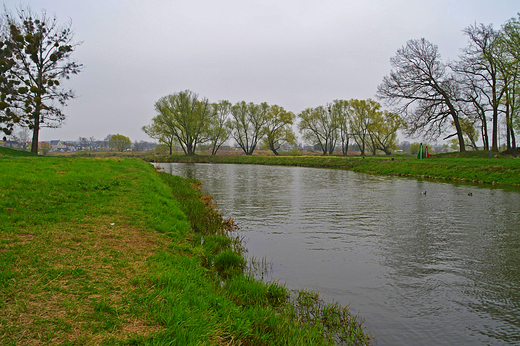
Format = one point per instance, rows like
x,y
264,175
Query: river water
x,y
441,268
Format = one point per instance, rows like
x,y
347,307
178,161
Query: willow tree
x,y
342,112
319,126
247,125
364,114
383,131
41,58
185,117
278,129
219,129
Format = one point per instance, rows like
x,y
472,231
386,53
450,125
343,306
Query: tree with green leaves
x,y
278,129
185,117
160,133
383,131
41,57
319,126
120,142
363,116
219,129
342,112
247,125
9,85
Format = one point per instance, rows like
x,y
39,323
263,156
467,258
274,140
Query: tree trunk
x,y
513,142
36,129
494,139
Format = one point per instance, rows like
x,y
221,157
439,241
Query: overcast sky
x,y
296,54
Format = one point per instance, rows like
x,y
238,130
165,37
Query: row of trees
x,y
481,88
35,55
360,120
188,120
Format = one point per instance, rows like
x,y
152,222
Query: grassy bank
x,y
107,251
471,167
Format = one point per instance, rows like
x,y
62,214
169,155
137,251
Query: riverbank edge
x,y
195,289
495,171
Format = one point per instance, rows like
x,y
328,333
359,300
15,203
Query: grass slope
x,y
471,167
106,251
14,152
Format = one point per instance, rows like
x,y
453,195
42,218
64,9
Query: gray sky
x,y
294,53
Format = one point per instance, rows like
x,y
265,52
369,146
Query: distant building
x,y
57,145
11,144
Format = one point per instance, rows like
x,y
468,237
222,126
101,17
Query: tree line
x,y
465,97
188,120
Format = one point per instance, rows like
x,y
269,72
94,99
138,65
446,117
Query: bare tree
x,y
424,93
479,64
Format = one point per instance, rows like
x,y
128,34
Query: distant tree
x,y
383,131
319,126
45,147
185,117
83,142
160,132
414,147
364,114
342,112
404,146
22,135
278,129
219,129
423,91
248,124
120,142
41,52
470,133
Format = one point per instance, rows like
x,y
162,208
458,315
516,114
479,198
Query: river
x,y
441,268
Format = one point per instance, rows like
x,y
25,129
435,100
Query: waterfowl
x,y
470,194
423,193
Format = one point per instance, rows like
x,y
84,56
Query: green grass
x,y
476,167
14,152
107,251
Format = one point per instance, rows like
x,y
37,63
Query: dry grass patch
x,y
73,283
